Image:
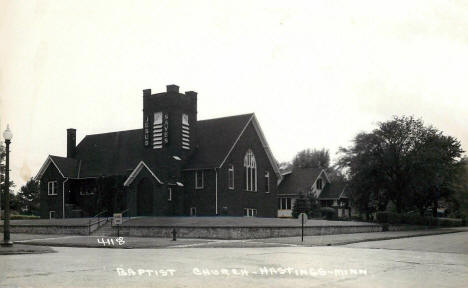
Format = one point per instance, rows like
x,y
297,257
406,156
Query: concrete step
x,y
104,230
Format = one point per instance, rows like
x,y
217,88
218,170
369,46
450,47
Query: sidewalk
x,y
141,242
25,249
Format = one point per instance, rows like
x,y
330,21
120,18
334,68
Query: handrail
x,y
128,216
97,222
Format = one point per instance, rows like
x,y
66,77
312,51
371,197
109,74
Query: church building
x,y
173,165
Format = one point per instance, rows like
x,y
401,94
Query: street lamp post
x,y
7,135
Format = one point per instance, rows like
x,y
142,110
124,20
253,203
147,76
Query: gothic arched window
x,y
250,171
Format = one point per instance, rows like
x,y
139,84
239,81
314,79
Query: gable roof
x,y
333,191
67,167
137,170
120,153
115,153
216,137
300,180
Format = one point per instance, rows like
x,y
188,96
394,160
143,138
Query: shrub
x,y
416,219
448,222
329,213
388,217
301,205
23,217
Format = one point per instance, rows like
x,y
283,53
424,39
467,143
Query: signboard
x,y
147,132
166,129
117,219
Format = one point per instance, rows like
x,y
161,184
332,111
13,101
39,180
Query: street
x,y
429,261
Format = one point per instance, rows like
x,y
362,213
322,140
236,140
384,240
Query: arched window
x,y
250,171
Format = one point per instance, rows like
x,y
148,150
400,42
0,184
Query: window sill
x,y
199,188
52,194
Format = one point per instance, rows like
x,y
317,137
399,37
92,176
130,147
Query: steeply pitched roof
x,y
300,180
215,139
333,190
119,153
67,166
116,153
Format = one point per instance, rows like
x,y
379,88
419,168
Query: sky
x,y
315,73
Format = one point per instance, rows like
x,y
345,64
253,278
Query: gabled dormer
x,y
319,184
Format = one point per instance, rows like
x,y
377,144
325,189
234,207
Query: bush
x,y
388,217
415,219
329,213
23,217
301,205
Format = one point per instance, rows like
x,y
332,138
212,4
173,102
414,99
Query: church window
x,y
158,130
185,132
199,179
231,176
250,171
52,188
267,182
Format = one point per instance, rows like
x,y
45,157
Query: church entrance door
x,y
145,197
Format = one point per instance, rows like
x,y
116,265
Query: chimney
x,y
71,143
147,92
172,88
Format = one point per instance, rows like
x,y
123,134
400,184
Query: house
x,y
311,182
174,164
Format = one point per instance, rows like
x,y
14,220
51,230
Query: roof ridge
x,y
225,117
63,157
113,132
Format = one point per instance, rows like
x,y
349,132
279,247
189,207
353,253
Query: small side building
x,y
311,182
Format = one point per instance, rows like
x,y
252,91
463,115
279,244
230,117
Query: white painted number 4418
x,y
110,241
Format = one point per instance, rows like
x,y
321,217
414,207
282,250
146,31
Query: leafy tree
x,y
13,204
28,196
458,202
312,159
314,206
401,161
302,205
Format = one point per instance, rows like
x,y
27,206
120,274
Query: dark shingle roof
x,y
117,153
332,190
69,167
215,139
110,153
300,180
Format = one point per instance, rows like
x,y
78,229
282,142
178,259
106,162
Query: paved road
x,y
443,262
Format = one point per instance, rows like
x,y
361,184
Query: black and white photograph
x,y
177,143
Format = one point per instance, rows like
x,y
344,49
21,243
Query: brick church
x,y
174,165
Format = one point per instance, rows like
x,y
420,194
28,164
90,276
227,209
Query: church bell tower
x,y
169,122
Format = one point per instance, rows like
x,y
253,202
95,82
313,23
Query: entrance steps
x,y
105,230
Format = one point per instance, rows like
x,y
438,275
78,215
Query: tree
x,y
2,179
401,161
312,159
302,205
314,206
28,196
458,202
